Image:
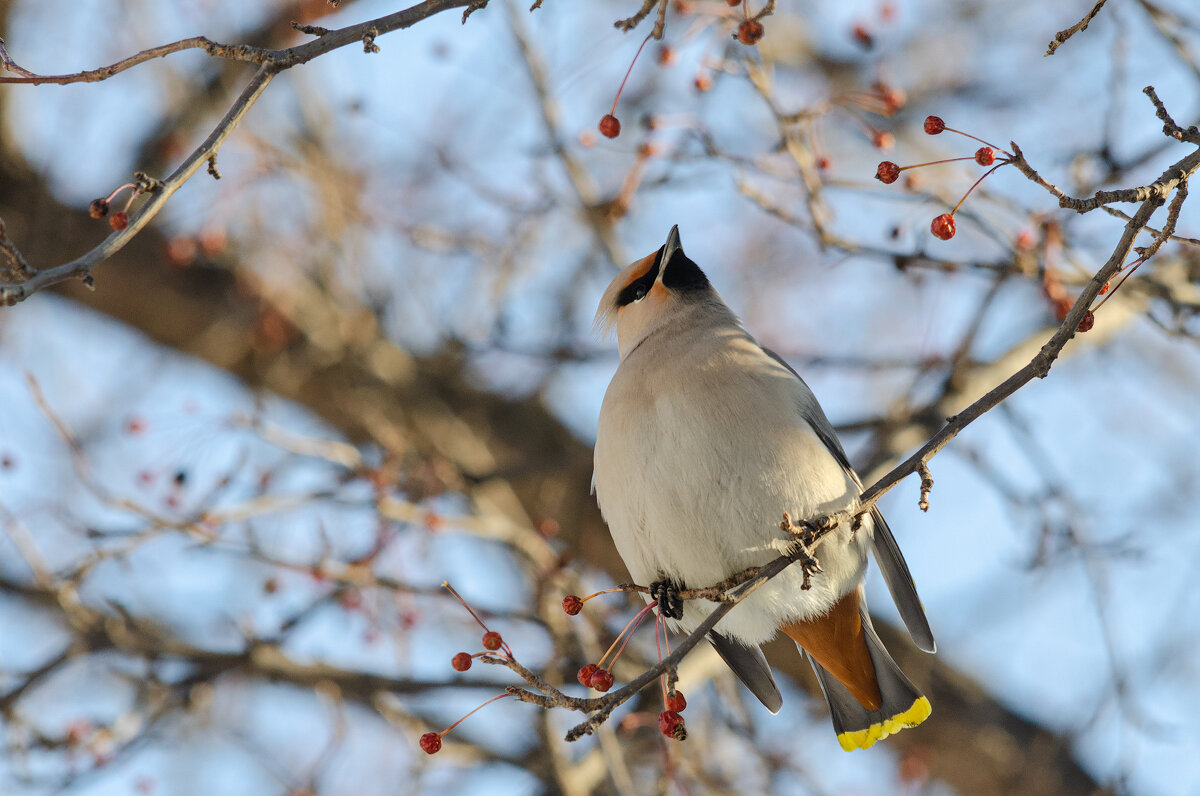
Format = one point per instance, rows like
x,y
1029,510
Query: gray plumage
x,y
705,439
750,666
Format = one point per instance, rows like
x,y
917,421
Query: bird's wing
x,y
751,667
887,553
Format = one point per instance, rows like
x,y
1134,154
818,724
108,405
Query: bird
x,y
705,439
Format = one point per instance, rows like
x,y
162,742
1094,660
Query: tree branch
x,y
271,63
1081,25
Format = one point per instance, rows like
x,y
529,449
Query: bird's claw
x,y
807,534
666,593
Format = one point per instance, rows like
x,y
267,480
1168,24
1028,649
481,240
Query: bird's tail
x,y
902,706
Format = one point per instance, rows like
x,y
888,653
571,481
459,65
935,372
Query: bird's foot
x,y
666,592
807,534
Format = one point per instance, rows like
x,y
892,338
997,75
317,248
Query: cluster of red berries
x,y
670,722
749,32
592,675
119,220
431,742
943,226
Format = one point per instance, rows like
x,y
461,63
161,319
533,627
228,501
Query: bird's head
x,y
653,291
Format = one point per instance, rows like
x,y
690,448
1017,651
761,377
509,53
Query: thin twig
x,y
271,63
632,22
1081,25
233,52
17,264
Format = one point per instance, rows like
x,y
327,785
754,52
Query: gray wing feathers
x,y
887,553
750,666
900,583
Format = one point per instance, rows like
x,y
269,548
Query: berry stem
x,y
628,71
980,140
472,713
637,620
113,195
458,597
629,635
597,594
662,678
936,162
132,196
1135,265
976,185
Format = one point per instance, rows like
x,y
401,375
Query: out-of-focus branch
x,y
9,251
1152,198
237,52
272,62
1079,26
14,292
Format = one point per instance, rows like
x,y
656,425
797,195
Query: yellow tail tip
x,y
865,739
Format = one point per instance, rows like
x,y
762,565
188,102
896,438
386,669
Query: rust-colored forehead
x,y
634,272
606,313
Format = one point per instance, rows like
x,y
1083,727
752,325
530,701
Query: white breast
x,y
700,449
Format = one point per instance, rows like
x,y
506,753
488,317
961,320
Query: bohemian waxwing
x,y
705,439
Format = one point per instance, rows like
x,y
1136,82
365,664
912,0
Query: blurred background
x,y
234,475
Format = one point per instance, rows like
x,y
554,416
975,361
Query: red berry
x,y
985,156
863,36
703,82
119,220
670,724
584,676
6,462
461,662
602,680
882,139
1087,321
610,127
492,640
823,163
666,56
98,208
934,125
750,31
943,226
572,604
677,703
431,742
887,173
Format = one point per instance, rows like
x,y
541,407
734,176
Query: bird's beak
x,y
669,248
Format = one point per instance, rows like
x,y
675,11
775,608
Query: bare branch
x,y
9,251
12,293
235,52
1081,25
272,62
1170,128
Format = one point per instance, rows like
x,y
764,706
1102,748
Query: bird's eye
x,y
639,292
